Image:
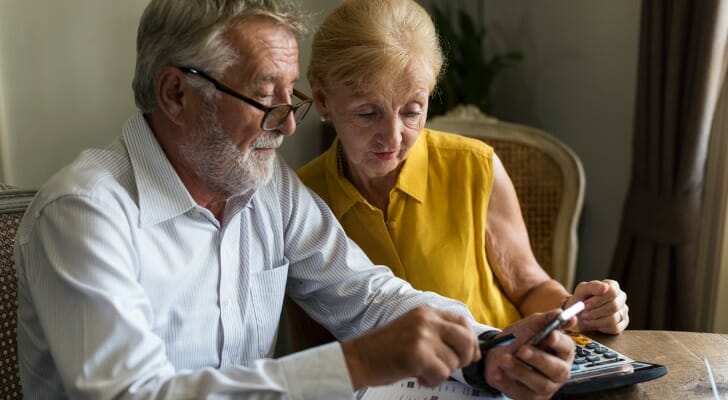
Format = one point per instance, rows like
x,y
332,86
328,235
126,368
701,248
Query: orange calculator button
x,y
580,339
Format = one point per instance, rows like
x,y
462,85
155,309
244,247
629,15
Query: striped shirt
x,y
128,288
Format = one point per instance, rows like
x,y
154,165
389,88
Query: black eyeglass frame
x,y
305,103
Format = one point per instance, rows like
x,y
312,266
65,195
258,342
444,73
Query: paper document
x,y
409,389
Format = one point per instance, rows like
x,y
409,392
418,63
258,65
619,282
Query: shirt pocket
x,y
268,288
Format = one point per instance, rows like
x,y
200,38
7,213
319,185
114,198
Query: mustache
x,y
267,141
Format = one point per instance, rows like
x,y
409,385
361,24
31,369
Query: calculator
x,y
594,359
597,367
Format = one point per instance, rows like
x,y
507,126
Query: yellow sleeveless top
x,y
434,235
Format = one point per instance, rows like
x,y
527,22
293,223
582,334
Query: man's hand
x,y
425,343
520,370
606,306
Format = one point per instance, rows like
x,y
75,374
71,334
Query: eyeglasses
x,y
274,116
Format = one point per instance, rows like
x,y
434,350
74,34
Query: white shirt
x,y
128,288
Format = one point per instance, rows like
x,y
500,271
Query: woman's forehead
x,y
405,83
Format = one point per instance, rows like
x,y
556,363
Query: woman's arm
x,y
509,252
525,283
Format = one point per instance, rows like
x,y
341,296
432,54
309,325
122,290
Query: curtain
x,y
681,68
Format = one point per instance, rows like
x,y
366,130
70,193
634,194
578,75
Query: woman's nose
x,y
391,133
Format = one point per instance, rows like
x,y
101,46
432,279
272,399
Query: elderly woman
x,y
437,208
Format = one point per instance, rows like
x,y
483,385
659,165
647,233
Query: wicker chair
x,y
549,181
13,203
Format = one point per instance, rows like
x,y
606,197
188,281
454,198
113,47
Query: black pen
x,y
500,341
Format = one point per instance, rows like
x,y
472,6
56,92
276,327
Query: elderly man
x,y
156,268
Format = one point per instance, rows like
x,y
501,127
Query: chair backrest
x,y
13,203
549,181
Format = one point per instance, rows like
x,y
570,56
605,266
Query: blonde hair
x,y
367,44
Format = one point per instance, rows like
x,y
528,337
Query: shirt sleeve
x,y
79,269
334,281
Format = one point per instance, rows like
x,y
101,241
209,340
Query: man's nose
x,y
288,126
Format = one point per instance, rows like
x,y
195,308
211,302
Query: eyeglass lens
x,y
277,115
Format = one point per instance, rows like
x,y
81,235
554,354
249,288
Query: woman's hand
x,y
606,306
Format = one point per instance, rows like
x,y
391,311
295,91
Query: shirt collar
x,y
412,179
162,195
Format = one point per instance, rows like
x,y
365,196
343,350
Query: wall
x,y
65,82
577,82
66,69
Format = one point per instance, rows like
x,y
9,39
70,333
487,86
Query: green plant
x,y
469,72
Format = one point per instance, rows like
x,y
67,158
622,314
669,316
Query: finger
x,y
625,319
460,339
561,346
448,356
506,380
602,306
534,369
434,373
610,304
605,310
612,323
585,290
552,359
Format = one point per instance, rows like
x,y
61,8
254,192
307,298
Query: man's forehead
x,y
258,32
268,51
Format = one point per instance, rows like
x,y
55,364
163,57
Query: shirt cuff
x,y
318,373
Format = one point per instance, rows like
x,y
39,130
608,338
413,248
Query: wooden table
x,y
682,353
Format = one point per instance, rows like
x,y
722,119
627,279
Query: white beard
x,y
216,160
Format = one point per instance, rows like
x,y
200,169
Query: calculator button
x,y
593,358
601,350
610,354
579,360
580,339
592,345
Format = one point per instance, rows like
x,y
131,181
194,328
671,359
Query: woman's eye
x,y
412,114
367,115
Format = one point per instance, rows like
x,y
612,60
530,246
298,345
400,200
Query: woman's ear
x,y
319,96
172,96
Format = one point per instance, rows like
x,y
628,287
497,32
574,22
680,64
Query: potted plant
x,y
469,72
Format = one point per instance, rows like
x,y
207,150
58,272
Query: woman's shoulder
x,y
313,169
450,144
313,173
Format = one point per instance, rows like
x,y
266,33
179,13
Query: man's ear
x,y
319,96
172,93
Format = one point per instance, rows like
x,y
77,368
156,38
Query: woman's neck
x,y
374,189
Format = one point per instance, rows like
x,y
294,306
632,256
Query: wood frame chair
x,y
548,177
13,203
